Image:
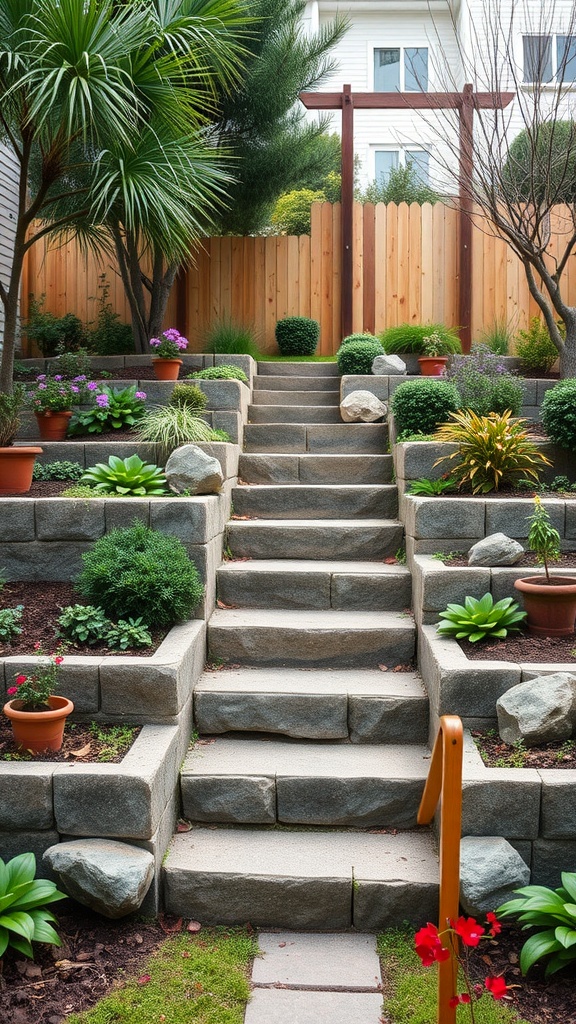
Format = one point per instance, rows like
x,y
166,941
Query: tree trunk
x,y
11,320
568,354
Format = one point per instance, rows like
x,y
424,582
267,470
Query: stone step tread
x,y
315,501
282,853
294,382
304,468
302,565
306,621
357,682
303,524
286,369
314,538
285,489
316,438
300,414
305,759
278,397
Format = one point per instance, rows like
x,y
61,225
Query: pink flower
x,y
20,679
12,690
496,986
141,395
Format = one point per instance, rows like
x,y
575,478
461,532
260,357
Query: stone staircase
x,y
304,784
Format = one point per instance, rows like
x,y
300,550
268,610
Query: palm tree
x,y
85,85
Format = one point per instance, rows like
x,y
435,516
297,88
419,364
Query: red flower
x,y
429,946
462,998
492,920
469,930
20,680
58,659
496,986
12,690
37,645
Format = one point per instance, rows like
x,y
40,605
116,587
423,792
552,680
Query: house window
x,y
401,69
386,160
549,57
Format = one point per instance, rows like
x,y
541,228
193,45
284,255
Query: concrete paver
x,y
303,959
279,1006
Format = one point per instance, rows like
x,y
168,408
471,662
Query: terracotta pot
x,y
166,369
16,466
432,366
38,731
550,604
53,426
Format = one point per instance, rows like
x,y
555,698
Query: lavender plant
x,y
483,382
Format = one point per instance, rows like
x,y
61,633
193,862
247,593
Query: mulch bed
x,y
522,648
79,745
567,559
497,754
114,373
42,606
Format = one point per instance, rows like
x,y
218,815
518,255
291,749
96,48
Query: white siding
x,y
8,211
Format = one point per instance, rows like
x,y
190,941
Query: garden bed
x,y
83,744
523,648
497,754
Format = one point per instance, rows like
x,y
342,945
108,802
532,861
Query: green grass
x,y
194,979
410,990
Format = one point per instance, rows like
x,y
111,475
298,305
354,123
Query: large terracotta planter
x,y
550,604
16,467
432,366
39,731
53,426
166,369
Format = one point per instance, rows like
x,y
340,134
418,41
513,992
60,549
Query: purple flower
x,y
74,389
154,342
92,386
102,401
57,376
78,380
172,334
41,376
42,387
182,343
141,395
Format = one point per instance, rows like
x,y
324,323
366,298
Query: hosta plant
x,y
24,918
10,619
83,624
114,409
553,912
493,450
125,477
480,619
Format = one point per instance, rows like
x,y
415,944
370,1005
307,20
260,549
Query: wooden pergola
x,y
465,102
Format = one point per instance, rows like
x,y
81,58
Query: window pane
x,y
537,58
386,70
385,161
420,161
416,69
566,58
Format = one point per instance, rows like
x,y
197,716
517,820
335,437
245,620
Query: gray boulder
x,y
109,877
391,365
497,549
540,710
363,407
490,870
191,469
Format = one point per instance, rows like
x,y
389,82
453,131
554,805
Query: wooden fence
x,y
405,270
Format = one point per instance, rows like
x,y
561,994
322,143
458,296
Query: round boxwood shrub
x,y
135,571
358,337
558,411
297,336
410,338
358,356
189,395
420,406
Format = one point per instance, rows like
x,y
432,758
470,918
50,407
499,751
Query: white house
x,y
8,211
412,46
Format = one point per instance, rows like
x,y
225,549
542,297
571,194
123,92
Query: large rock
x,y
497,549
490,870
191,469
540,710
362,407
391,365
109,877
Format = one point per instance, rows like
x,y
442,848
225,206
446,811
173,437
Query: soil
x,y
497,754
42,606
115,373
79,745
522,648
567,559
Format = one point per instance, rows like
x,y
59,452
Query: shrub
x,y
484,384
297,336
410,338
10,408
188,395
224,372
291,214
419,406
10,619
358,356
401,186
492,450
558,411
83,624
128,633
109,336
136,571
115,409
59,470
125,477
229,338
475,620
74,364
536,348
173,425
51,333
553,912
23,899
366,336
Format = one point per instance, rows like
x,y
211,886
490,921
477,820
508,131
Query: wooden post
x,y
465,208
347,209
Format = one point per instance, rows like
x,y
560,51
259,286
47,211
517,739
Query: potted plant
x,y
167,348
435,352
36,714
550,601
16,461
52,400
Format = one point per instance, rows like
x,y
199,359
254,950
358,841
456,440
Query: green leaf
x,y
4,940
567,936
22,945
537,946
21,869
18,922
569,883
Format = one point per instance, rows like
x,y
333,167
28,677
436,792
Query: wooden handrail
x,y
444,784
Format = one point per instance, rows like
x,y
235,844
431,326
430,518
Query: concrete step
x,y
294,414
287,583
371,539
280,369
245,781
304,879
308,639
277,397
315,469
321,438
365,706
316,501
269,382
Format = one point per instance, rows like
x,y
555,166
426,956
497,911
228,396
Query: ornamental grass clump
x,y
171,426
419,406
484,384
137,572
553,913
536,348
481,619
493,451
411,337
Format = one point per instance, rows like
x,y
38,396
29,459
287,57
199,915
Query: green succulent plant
x,y
23,898
553,912
477,619
126,477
